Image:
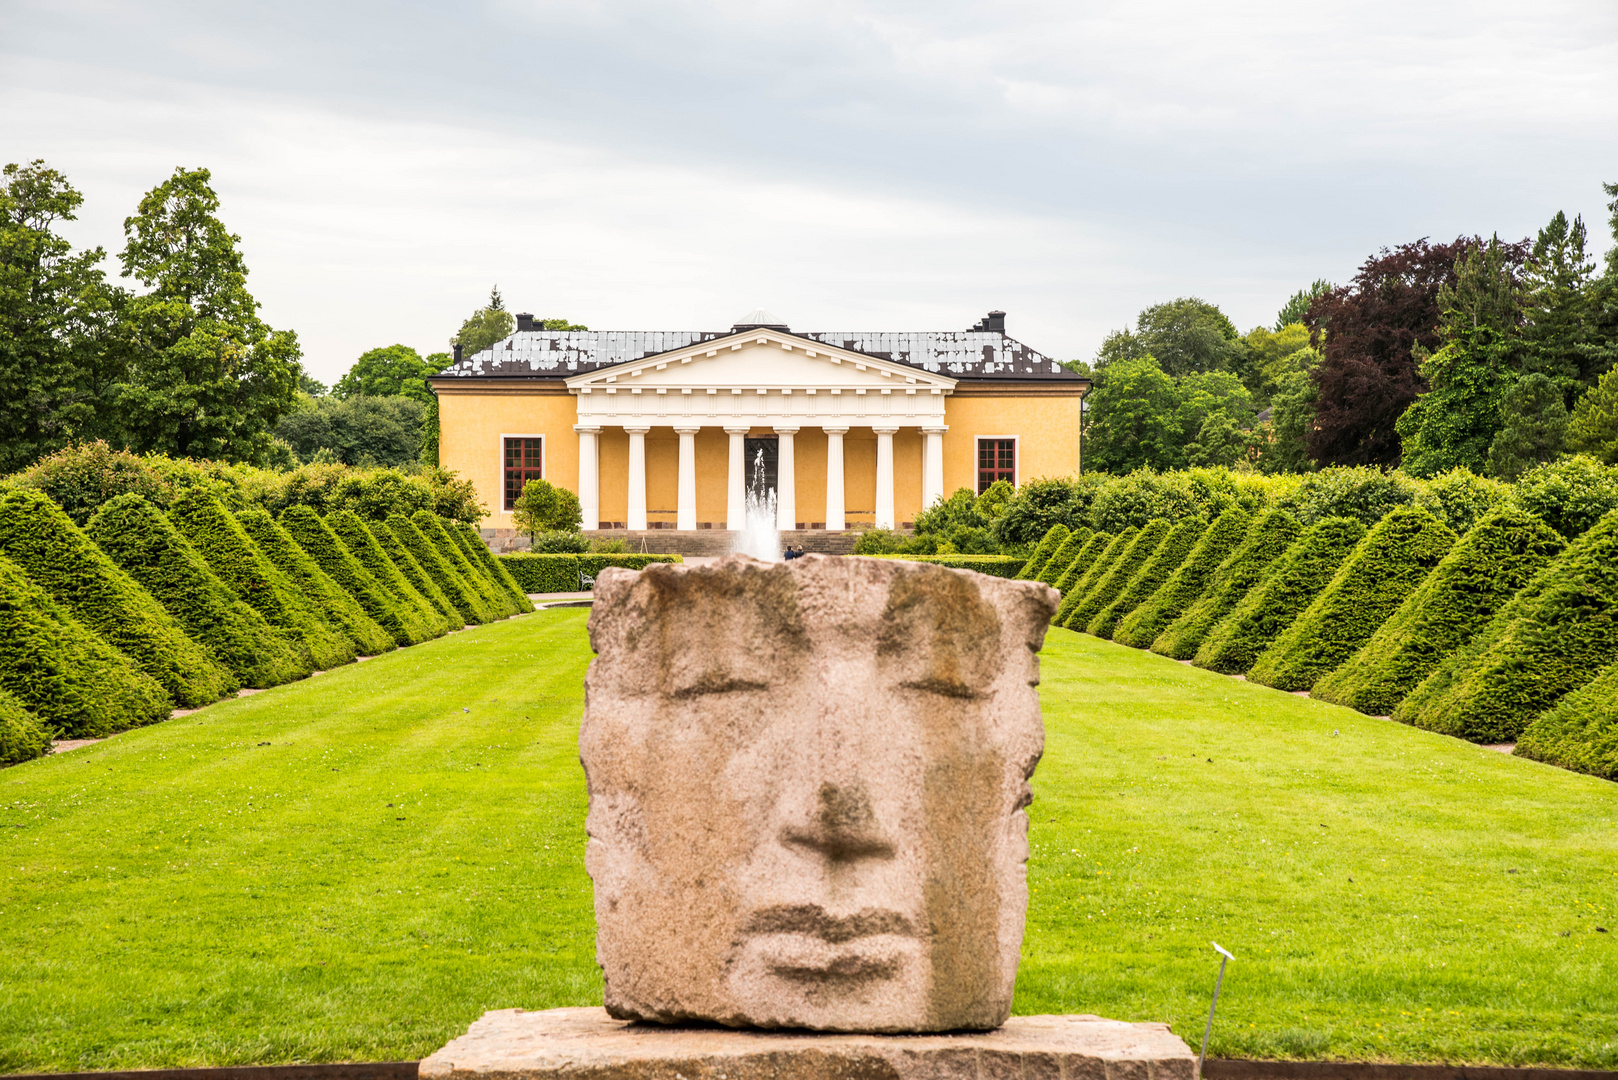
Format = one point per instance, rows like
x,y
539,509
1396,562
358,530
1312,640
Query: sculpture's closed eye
x,y
717,683
949,688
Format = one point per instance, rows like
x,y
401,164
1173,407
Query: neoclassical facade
x,y
669,429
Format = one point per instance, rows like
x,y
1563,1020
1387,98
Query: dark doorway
x,y
760,456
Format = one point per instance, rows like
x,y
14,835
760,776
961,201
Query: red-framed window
x,y
997,460
524,461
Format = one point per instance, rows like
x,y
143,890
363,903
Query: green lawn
x,y
187,895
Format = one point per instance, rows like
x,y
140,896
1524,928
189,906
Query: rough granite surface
x,y
587,1044
807,786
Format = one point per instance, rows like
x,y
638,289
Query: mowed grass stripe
x,y
155,915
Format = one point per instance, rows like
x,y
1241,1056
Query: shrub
x,y
1042,504
1163,561
145,544
1138,498
1102,565
1142,626
341,611
81,477
493,598
1548,645
23,736
1360,492
1063,556
1385,568
478,551
467,602
1082,562
1107,586
377,550
561,543
1268,539
232,554
402,621
1581,732
1459,499
560,573
1489,565
55,553
1569,495
544,507
1042,554
1003,566
373,494
1290,586
77,684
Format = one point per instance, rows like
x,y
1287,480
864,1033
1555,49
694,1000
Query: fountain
x,y
759,536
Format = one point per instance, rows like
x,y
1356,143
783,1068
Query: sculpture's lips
x,y
807,942
814,921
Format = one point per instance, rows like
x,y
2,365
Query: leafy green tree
x,y
1214,417
1593,428
1292,412
487,325
1130,420
1185,335
1296,309
1272,357
1534,427
203,376
360,430
544,507
54,304
1561,336
392,371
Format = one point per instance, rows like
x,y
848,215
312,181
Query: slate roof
x,y
960,354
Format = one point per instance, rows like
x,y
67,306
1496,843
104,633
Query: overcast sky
x,y
849,165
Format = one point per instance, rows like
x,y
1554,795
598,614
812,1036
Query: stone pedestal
x,y
587,1044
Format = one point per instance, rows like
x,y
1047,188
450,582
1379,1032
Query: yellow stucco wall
x,y
1045,425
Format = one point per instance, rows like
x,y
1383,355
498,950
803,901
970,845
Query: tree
x,y
1214,417
1560,334
1271,356
1367,376
1292,415
202,375
1534,429
544,507
392,371
1129,417
486,326
1593,428
1296,309
1185,336
360,430
54,304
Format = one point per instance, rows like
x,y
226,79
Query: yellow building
x,y
668,430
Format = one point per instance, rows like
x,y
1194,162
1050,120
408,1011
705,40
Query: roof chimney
x,y
525,321
457,352
992,323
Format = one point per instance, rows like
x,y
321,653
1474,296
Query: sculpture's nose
x,y
840,826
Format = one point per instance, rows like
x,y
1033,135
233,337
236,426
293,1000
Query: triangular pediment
x,y
763,360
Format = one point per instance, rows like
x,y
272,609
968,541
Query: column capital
x,y
935,429
587,429
834,430
786,431
886,430
737,430
688,429
637,430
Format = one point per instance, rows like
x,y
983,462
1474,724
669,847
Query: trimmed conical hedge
x,y
467,602
1287,588
1550,645
38,536
1165,559
1081,564
403,623
1063,557
1042,553
1386,567
477,550
433,529
1266,541
23,736
78,685
379,552
1123,570
1581,732
1142,626
514,602
341,611
1488,566
1099,569
146,545
232,554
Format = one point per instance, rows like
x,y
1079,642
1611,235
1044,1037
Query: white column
x,y
637,476
685,513
736,485
884,476
834,478
932,465
589,476
786,498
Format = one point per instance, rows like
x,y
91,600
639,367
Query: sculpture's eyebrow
x,y
950,688
715,682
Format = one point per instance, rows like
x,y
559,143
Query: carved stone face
x,y
807,789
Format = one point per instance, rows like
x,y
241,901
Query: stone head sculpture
x,y
807,789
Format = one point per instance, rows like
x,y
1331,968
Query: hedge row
x,y
1386,566
560,573
1489,565
1063,556
1581,732
401,621
392,566
491,565
1107,586
1042,553
1164,561
23,736
1141,627
494,601
1266,541
145,544
1552,643
1099,568
59,557
67,675
465,599
1290,586
329,600
1081,564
